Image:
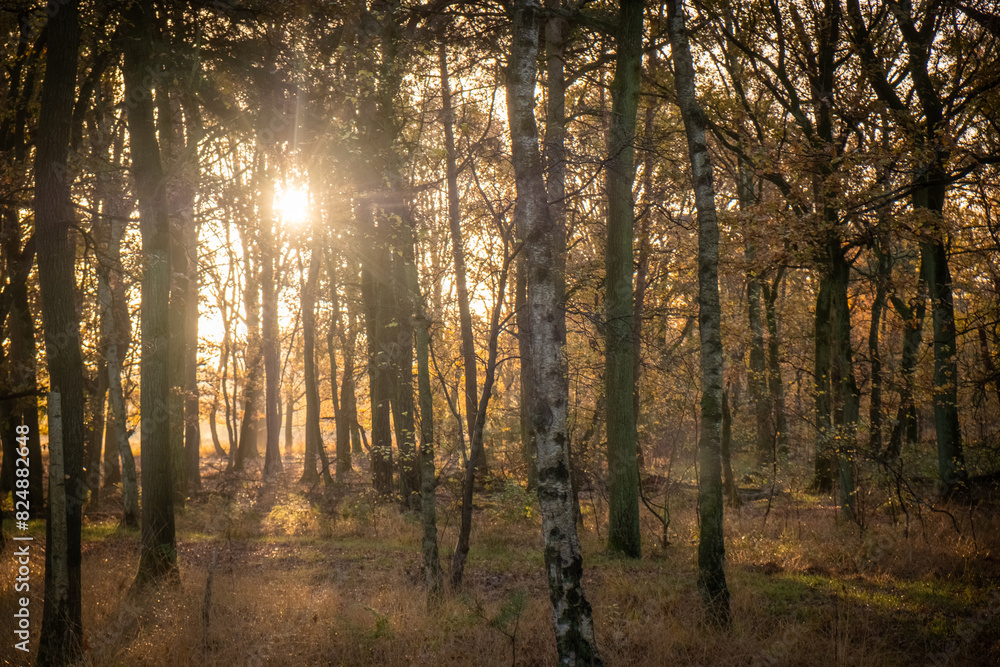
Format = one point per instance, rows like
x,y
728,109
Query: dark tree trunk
x,y
62,632
342,433
373,275
842,380
951,460
116,327
619,349
348,396
775,385
757,382
882,275
20,364
823,471
246,449
406,290
158,554
314,437
336,331
728,480
269,301
179,195
711,547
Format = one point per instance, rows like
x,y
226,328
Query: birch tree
x,y
711,548
546,333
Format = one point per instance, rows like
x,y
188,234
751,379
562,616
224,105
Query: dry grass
x,y
305,578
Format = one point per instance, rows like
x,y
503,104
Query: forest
x,y
500,332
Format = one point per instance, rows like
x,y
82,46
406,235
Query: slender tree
x,y
711,547
469,364
619,347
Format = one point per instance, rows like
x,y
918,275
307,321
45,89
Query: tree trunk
x,y
619,374
192,401
930,191
118,416
458,256
406,290
544,241
343,436
951,460
711,547
213,426
373,274
179,196
115,325
247,446
158,554
726,447
775,385
823,470
20,363
58,572
428,494
62,632
269,341
883,272
758,372
846,401
289,413
348,397
339,403
314,437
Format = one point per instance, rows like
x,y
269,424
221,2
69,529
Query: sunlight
x,y
292,205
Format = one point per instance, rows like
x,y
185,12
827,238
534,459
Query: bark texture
x,y
158,554
619,348
711,547
546,332
62,632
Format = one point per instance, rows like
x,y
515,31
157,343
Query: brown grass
x,y
303,578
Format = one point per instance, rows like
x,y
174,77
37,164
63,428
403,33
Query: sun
x,y
292,205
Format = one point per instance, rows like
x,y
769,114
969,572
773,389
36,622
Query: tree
x,y
571,613
469,366
158,554
619,347
62,631
269,290
711,547
314,438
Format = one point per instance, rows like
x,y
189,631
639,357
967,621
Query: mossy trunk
x,y
619,348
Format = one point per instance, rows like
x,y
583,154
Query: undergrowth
x,y
307,576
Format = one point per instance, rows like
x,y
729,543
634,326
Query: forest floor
x,y
285,574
